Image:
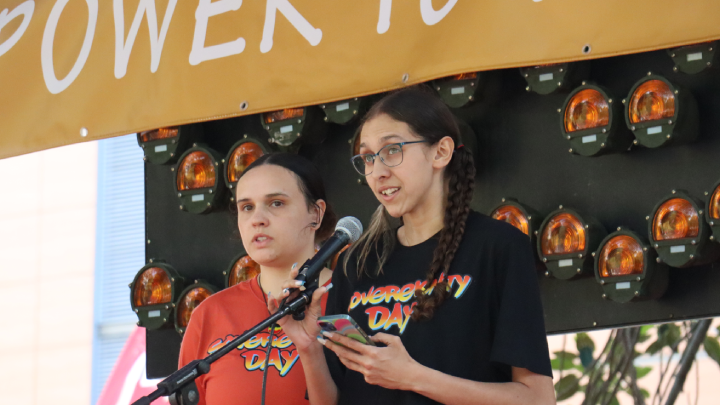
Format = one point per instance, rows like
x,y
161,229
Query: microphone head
x,y
350,226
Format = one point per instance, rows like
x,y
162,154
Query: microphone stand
x,y
180,386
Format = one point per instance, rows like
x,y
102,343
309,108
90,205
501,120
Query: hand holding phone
x,y
346,326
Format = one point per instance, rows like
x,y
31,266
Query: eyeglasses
x,y
391,155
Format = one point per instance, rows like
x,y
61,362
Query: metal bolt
x,y
355,111
594,323
644,248
181,207
587,226
610,101
217,163
675,68
637,293
570,151
208,204
602,145
709,64
619,228
144,157
529,217
83,132
692,256
637,278
593,254
470,98
635,142
700,212
561,70
659,260
604,296
672,55
138,323
164,319
559,110
656,246
194,145
527,88
167,306
668,136
544,259
325,118
674,191
224,273
669,122
210,191
583,83
569,137
536,232
632,127
623,101
179,194
174,141
693,242
196,281
676,92
649,73
580,256
559,84
130,285
604,130
711,236
172,279
405,78
602,282
560,206
172,169
547,274
359,181
710,49
151,260
322,106
136,310
526,75
300,121
503,200
173,305
437,88
647,217
172,154
148,241
579,271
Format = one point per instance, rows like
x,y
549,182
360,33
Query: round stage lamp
x,y
344,111
456,91
564,243
518,215
546,79
197,180
164,145
285,127
241,155
626,267
152,293
589,120
712,212
678,232
241,269
694,58
190,298
659,113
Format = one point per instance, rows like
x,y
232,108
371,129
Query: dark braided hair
x,y
430,119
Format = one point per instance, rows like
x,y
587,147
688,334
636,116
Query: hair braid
x,y
460,191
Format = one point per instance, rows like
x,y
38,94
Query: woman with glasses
x,y
450,296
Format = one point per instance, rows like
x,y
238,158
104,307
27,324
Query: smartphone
x,y
346,326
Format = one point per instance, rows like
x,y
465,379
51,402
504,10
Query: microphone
x,y
347,230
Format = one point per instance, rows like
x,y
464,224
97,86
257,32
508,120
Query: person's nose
x,y
259,218
380,170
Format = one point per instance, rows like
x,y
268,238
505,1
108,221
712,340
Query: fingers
x,y
347,347
290,284
385,338
272,304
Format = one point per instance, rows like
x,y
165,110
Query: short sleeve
x,y
337,303
190,348
519,339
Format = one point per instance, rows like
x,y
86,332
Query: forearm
x,y
451,390
320,385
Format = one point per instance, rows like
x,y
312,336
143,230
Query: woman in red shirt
x,y
282,215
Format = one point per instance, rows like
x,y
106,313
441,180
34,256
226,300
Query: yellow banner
x,y
77,70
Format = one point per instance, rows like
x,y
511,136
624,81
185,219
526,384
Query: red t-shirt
x,y
237,377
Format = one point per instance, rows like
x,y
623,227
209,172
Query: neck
x,y
427,219
272,277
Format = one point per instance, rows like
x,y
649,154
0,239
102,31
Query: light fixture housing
x,y
197,179
678,232
693,58
164,145
582,233
242,268
627,268
189,299
240,156
344,111
590,119
153,291
288,126
547,79
712,212
659,113
458,90
522,217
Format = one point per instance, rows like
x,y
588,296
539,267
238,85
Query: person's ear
x,y
319,211
443,152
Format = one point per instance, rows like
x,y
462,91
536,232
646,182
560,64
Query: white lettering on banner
x,y
311,34
205,10
54,85
123,49
431,16
26,10
384,18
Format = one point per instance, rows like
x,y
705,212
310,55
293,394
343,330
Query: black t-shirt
x,y
493,319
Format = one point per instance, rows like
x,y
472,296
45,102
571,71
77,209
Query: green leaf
x,y
643,371
566,387
586,356
645,393
566,364
655,347
583,340
565,355
712,348
673,334
614,401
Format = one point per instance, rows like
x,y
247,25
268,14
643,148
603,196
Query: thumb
x,y
385,338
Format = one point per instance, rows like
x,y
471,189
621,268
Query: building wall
x,y
47,253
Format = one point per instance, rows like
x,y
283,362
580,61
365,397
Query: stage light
x,y
164,145
590,121
565,240
518,215
286,126
190,298
659,113
456,91
241,155
342,112
693,58
678,232
546,79
152,293
197,181
627,268
241,269
712,212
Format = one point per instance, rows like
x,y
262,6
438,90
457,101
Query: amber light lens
x,y
514,216
465,76
160,133
152,287
244,269
196,171
715,204
241,158
652,100
676,219
586,109
189,302
621,256
282,115
563,234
